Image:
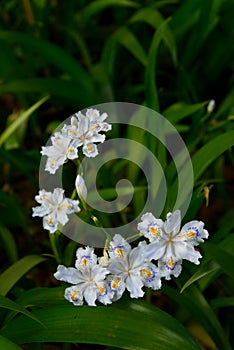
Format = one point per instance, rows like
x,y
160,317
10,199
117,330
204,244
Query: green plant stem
x,y
137,235
83,204
99,224
55,246
148,295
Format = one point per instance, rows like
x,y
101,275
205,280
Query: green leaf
x,y
70,91
180,110
221,302
150,79
210,269
11,305
39,297
42,297
9,244
6,344
111,193
207,269
197,306
20,120
201,161
154,18
148,15
127,325
226,105
126,38
226,224
212,150
14,273
97,6
10,204
222,257
52,53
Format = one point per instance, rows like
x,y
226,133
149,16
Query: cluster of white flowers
x,y
122,267
84,130
159,255
125,268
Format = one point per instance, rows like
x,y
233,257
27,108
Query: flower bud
x,y
211,106
81,187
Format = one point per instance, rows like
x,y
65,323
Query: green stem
x,y
137,235
55,246
148,295
83,203
98,224
73,196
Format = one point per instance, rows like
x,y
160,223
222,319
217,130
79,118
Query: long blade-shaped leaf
x,y
196,304
125,37
9,244
13,274
207,269
179,110
150,81
212,150
134,325
52,53
97,6
201,161
70,91
222,302
154,18
21,119
11,305
6,344
222,257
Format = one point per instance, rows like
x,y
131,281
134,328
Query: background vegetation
x,y
58,57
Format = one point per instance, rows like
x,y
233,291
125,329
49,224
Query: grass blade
x,y
180,110
125,37
222,257
70,91
150,82
222,302
9,244
21,119
97,6
212,150
52,54
195,303
11,305
127,325
13,274
205,270
6,344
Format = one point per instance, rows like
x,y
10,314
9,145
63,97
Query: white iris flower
x,y
88,279
97,120
150,227
84,130
131,268
54,208
62,149
119,248
170,244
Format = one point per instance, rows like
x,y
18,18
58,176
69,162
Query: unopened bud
x,y
211,106
81,187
